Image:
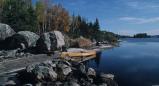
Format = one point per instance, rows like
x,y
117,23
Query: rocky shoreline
x,y
72,75
26,52
60,73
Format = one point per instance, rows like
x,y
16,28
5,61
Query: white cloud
x,y
140,20
142,5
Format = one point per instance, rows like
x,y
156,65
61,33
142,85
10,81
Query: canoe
x,y
78,54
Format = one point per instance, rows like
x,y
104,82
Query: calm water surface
x,y
134,63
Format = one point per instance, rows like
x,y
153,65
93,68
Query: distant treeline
x,y
139,35
44,16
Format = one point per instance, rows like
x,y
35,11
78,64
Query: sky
x,y
125,17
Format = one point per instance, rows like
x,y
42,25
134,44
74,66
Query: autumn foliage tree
x,y
51,17
60,19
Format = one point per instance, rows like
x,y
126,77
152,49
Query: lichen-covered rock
x,y
42,72
91,72
22,39
107,76
5,31
30,38
59,72
47,42
65,69
50,70
50,41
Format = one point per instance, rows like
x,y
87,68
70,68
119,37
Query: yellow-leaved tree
x,y
60,19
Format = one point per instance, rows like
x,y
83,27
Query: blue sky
x,y
119,16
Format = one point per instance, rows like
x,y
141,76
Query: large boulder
x,y
22,39
42,72
50,41
5,31
64,69
47,42
50,70
30,38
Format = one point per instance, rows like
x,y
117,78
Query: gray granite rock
x,y
91,72
47,42
5,31
22,39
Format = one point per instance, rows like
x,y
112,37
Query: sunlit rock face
x,y
46,42
5,31
50,41
60,39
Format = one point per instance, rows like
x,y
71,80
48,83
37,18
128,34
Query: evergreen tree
x,y
40,13
18,15
2,2
96,25
96,30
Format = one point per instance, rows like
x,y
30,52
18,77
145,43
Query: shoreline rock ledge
x,y
61,73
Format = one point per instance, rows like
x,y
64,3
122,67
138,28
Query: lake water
x,y
134,63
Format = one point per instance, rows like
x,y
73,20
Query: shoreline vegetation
x,y
32,37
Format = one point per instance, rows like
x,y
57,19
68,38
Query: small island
x,y
141,35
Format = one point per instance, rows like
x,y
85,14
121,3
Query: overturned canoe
x,y
79,54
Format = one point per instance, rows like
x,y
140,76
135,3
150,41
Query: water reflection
x,y
134,63
97,59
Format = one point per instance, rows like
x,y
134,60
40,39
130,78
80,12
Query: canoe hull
x,y
78,54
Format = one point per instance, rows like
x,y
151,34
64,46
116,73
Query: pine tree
x,y
16,13
96,29
1,8
40,13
